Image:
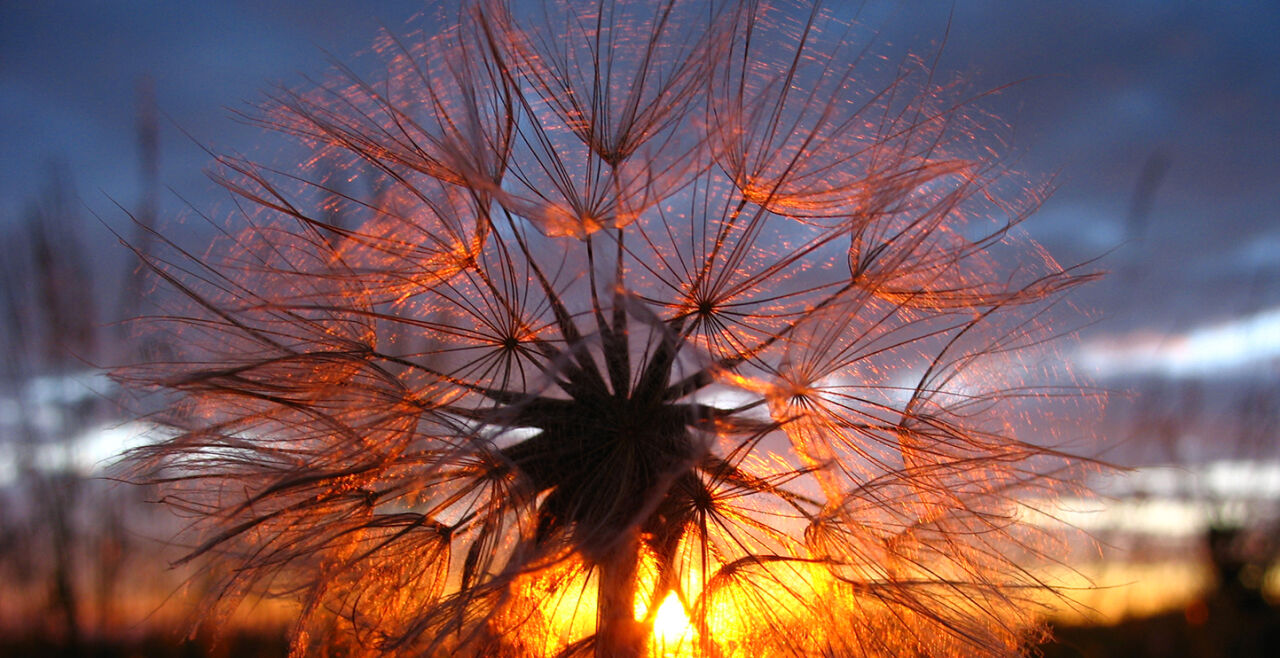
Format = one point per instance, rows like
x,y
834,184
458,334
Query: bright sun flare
x,y
670,624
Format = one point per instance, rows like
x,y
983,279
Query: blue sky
x,y
1102,91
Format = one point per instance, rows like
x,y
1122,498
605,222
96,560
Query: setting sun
x,y
671,628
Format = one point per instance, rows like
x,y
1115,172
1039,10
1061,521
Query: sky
x,y
1159,122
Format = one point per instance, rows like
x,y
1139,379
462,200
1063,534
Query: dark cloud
x,y
69,72
1110,87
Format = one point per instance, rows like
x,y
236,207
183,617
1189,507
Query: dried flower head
x,y
622,308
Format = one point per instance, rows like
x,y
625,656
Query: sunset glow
x,y
639,329
671,630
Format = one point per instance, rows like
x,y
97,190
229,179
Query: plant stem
x,y
618,634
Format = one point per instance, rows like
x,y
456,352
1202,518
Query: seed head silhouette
x,y
579,307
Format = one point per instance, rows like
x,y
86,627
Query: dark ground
x,y
1230,623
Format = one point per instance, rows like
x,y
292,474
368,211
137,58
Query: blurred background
x,y
1158,121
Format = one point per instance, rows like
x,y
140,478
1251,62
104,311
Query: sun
x,y
671,629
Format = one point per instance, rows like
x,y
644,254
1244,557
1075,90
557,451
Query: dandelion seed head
x,y
616,304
